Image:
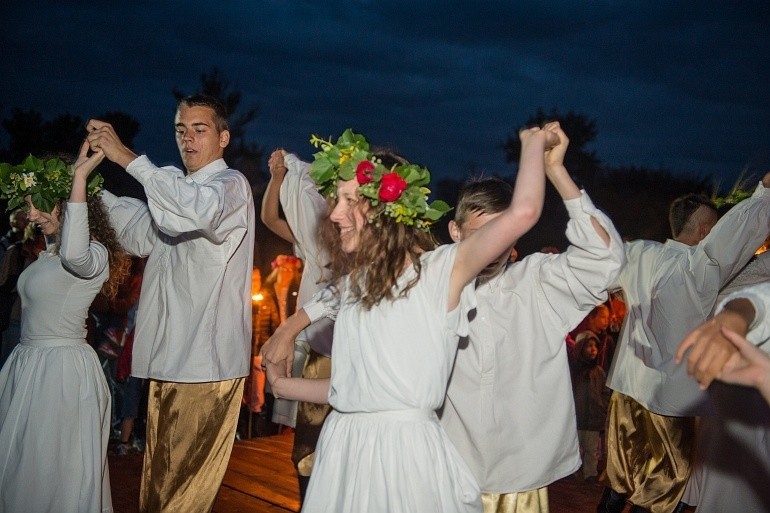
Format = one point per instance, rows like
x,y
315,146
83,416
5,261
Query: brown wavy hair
x,y
101,230
385,248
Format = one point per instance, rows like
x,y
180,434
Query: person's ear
x,y
454,231
224,138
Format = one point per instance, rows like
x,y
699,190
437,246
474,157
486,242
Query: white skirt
x,y
54,429
389,461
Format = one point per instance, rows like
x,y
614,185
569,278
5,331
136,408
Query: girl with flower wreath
x,y
401,306
54,399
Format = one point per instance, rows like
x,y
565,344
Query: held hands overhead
x,y
102,137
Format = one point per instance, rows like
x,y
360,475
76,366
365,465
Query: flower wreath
x,y
46,181
734,197
401,188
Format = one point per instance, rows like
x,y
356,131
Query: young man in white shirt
x,y
509,408
669,289
193,328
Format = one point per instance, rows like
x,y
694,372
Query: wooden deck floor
x,y
261,479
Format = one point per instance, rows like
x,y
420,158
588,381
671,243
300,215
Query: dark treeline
x,y
635,198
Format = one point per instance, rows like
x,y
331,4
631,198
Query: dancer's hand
x,y
709,349
86,163
751,367
276,164
102,137
554,157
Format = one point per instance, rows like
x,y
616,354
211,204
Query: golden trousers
x,y
533,501
649,456
310,416
190,433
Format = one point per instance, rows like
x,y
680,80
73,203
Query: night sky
x,y
681,86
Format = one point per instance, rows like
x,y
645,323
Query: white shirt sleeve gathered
x,y
80,255
194,318
304,208
670,289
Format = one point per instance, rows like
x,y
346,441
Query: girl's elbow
x,y
528,216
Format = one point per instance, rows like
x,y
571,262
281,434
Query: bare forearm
x,y
562,182
270,207
301,389
740,313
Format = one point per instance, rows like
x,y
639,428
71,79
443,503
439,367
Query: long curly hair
x,y
385,249
101,230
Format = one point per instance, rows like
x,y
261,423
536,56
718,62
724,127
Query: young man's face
x,y
197,137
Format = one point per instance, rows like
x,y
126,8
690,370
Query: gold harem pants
x,y
648,455
310,416
533,501
190,433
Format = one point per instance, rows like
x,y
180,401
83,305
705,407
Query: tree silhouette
x,y
581,131
241,154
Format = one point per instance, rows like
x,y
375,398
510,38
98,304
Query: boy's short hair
x,y
683,207
203,100
484,195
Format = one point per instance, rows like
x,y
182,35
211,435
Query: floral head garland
x,y
46,181
401,188
734,197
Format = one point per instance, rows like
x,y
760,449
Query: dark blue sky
x,y
678,85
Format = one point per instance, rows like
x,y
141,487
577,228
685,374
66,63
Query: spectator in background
x,y
18,221
591,400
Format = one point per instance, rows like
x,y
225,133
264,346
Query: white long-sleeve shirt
x,y
509,407
304,207
194,317
670,289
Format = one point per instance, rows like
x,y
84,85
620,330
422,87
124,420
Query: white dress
x,y
54,400
382,449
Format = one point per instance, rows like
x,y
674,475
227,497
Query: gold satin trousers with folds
x,y
190,433
649,456
310,416
533,501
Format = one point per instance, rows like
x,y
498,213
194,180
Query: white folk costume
x,y
193,328
509,407
383,449
54,399
304,208
669,290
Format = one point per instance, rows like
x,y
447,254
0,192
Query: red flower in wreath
x,y
364,172
392,187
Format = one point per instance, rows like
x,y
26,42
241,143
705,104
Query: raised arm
x,y
486,244
219,208
271,199
84,165
77,253
560,178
